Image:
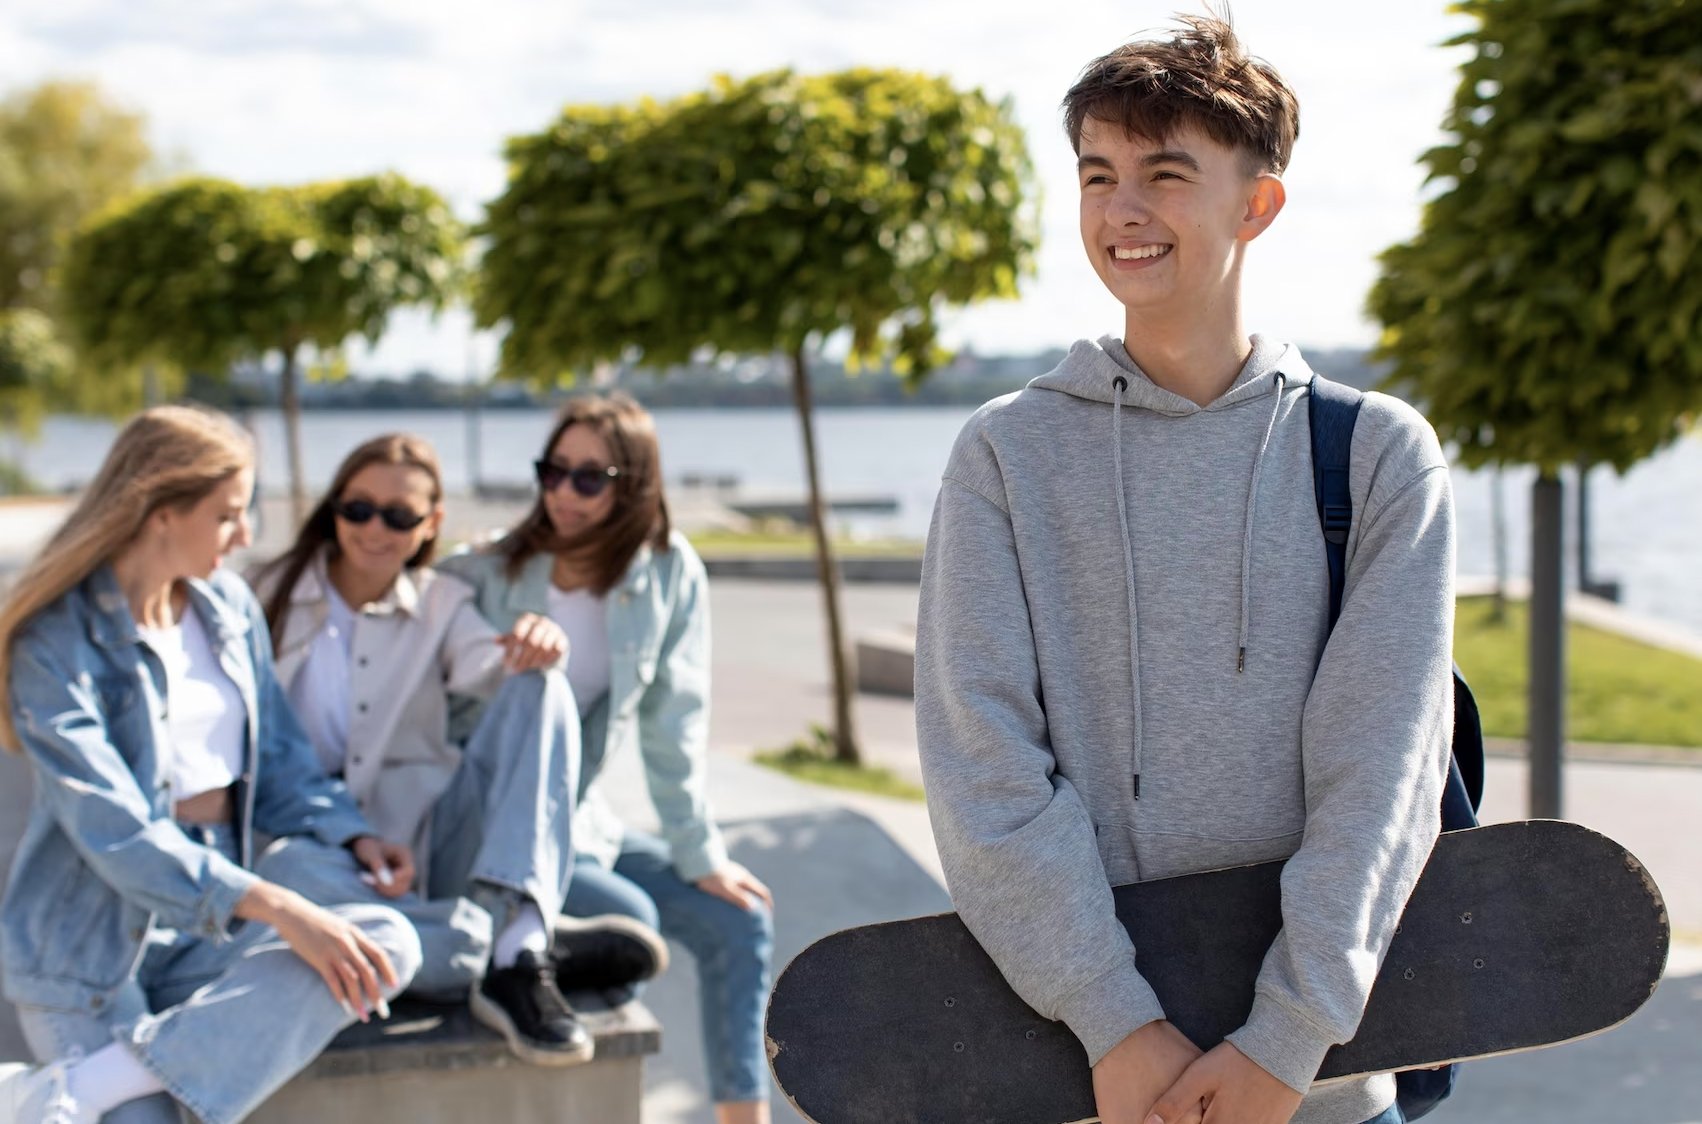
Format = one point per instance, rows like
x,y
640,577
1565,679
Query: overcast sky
x,y
284,91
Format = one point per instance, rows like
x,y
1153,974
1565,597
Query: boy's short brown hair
x,y
1202,78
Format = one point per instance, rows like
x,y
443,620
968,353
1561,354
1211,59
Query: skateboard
x,y
1517,936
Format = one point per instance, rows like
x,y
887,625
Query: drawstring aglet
x,y
1241,661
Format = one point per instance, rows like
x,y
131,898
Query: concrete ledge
x,y
886,663
1606,752
900,570
432,1064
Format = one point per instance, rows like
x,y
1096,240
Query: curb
x,y
1604,753
899,570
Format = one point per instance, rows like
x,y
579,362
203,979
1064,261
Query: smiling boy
x,y
1121,666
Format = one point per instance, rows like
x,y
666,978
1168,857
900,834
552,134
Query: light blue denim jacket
x,y
658,617
102,860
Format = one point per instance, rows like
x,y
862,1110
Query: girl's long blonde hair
x,y
169,456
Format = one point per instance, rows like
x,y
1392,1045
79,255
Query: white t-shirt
x,y
581,615
205,715
320,692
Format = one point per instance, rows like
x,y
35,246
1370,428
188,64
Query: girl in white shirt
x,y
373,648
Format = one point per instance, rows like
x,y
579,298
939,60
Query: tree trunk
x,y
1547,722
1584,584
844,727
290,399
1498,533
475,446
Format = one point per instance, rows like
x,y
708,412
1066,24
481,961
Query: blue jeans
x,y
1391,1116
222,1026
500,832
731,946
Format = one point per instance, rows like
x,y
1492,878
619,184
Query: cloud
x,y
255,27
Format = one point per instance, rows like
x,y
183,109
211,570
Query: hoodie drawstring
x,y
1119,385
1247,535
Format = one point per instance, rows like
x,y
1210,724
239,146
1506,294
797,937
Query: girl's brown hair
x,y
640,513
169,456
320,530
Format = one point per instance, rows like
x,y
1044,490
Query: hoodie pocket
x,y
1117,853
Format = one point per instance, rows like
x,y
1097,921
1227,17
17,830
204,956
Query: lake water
x,y
1646,526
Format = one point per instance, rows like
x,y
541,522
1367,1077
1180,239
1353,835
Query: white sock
x,y
107,1078
527,930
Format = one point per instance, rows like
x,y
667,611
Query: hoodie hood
x,y
1091,369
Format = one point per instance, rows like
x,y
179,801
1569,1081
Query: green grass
x,y
811,759
1618,690
800,544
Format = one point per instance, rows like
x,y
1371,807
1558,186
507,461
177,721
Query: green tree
x,y
205,274
65,153
35,368
1546,312
759,216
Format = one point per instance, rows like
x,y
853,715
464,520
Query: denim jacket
x,y
102,860
658,700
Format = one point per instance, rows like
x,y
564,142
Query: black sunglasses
x,y
397,518
588,479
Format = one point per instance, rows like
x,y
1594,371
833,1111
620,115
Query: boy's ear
x,y
1263,205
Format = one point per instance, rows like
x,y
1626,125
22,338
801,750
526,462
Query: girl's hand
x,y
390,866
733,883
351,965
532,643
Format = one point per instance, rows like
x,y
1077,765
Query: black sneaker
x,y
521,1003
606,954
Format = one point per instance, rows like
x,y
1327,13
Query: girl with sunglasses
x,y
597,556
153,963
371,647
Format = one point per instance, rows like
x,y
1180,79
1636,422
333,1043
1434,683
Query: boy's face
x,y
1164,222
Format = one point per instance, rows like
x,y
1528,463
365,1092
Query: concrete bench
x,y
431,1064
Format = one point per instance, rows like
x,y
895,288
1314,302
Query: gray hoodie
x,y
1121,674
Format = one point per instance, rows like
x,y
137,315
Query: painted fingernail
x,y
349,1009
385,876
383,1008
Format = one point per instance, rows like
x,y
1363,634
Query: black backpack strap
x,y
1334,409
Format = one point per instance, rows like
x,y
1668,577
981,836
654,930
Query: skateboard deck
x,y
1517,936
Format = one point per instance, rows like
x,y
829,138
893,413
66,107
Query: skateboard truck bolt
x,y
1478,963
1031,1035
957,1046
1409,973
951,1002
1466,917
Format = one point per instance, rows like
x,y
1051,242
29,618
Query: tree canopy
x,y
753,216
205,273
1547,310
65,153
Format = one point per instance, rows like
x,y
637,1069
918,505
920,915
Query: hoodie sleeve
x,y
1016,843
1375,740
